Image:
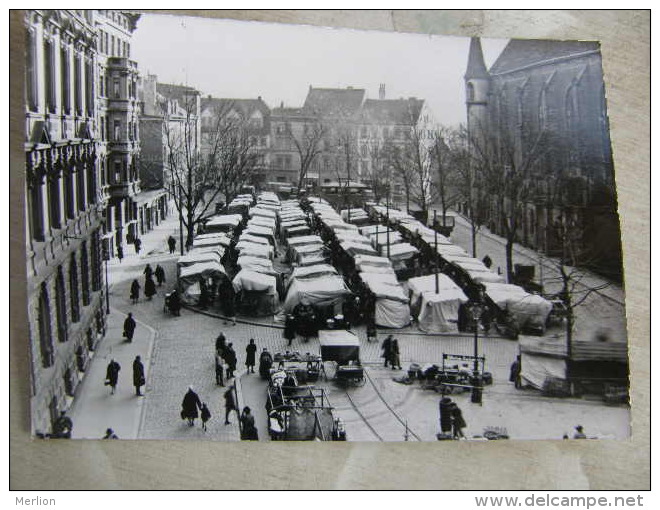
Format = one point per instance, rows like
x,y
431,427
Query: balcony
x,y
124,189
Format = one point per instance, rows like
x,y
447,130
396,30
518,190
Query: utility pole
x,y
435,252
180,222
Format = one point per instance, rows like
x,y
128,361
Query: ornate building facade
x,y
65,205
541,109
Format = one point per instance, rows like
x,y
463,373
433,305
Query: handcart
x,y
342,348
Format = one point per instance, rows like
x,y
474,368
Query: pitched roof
x,y
175,91
245,106
521,53
476,67
392,111
334,101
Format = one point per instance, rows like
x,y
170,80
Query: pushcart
x,y
342,348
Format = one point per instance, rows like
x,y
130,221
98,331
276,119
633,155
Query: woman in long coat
x,y
189,406
135,291
149,288
250,355
112,375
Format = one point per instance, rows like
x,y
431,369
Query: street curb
x,y
152,342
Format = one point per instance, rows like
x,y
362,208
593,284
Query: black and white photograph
x,y
269,232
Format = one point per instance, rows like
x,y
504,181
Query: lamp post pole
x,y
477,310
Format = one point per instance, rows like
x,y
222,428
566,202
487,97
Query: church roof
x,y
330,102
392,111
520,53
476,67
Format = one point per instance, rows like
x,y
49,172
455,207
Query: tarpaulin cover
x,y
247,261
262,211
355,214
371,260
253,239
339,345
224,238
247,279
527,309
451,249
438,313
260,221
264,251
223,220
471,264
382,238
259,231
402,251
197,256
535,369
453,257
368,230
354,248
429,239
340,226
308,259
210,241
296,230
311,271
311,239
190,276
353,237
421,284
484,276
322,291
391,307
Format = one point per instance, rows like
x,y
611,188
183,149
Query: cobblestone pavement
x,y
180,354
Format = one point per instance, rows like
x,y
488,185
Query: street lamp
x,y
476,309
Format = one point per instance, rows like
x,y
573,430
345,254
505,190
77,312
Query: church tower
x,y
477,87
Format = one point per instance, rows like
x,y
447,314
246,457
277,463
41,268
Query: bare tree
x,y
442,161
196,178
308,142
379,171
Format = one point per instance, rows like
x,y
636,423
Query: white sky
x,y
238,59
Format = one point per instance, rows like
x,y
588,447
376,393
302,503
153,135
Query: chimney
x,y
381,91
258,98
282,105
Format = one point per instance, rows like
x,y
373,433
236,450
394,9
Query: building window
x,y
112,45
45,333
89,88
117,173
116,130
54,212
101,42
69,199
60,302
115,88
77,71
37,211
31,78
84,273
96,262
107,41
470,92
128,50
73,289
66,81
49,76
80,188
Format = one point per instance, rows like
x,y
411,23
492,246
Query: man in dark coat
x,y
135,291
221,345
387,350
159,273
514,373
62,427
230,403
138,245
171,243
189,406
120,252
289,328
138,375
250,355
129,327
112,375
175,303
149,288
230,358
148,272
445,415
219,370
457,421
249,431
265,362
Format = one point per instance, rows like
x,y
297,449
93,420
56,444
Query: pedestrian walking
x,y
171,243
205,415
395,359
189,406
138,244
248,429
138,375
219,370
220,344
112,375
159,273
230,403
129,327
445,415
148,272
230,359
62,427
457,421
120,252
289,328
229,303
250,356
135,291
514,373
386,349
110,434
265,362
149,288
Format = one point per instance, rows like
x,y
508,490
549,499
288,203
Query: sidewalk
x,y
94,409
